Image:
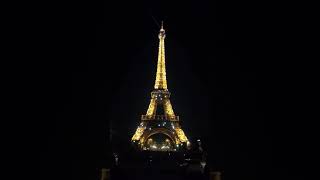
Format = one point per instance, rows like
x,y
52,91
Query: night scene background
x,y
98,64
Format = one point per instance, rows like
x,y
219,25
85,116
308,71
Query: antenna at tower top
x,y
161,24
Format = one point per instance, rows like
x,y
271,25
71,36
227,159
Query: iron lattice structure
x,y
160,129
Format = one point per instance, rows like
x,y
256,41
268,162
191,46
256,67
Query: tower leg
x,y
105,174
215,175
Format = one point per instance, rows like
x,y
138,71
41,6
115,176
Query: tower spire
x,y
161,80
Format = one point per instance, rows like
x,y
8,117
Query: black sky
x,y
95,62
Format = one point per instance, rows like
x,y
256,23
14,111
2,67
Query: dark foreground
x,y
158,165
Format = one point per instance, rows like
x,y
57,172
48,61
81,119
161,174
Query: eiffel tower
x,y
159,129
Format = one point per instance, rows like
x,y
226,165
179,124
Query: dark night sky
x,y
97,63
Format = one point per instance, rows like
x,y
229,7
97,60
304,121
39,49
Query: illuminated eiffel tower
x,y
159,129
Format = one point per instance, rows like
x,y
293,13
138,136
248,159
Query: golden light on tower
x,y
160,120
161,79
